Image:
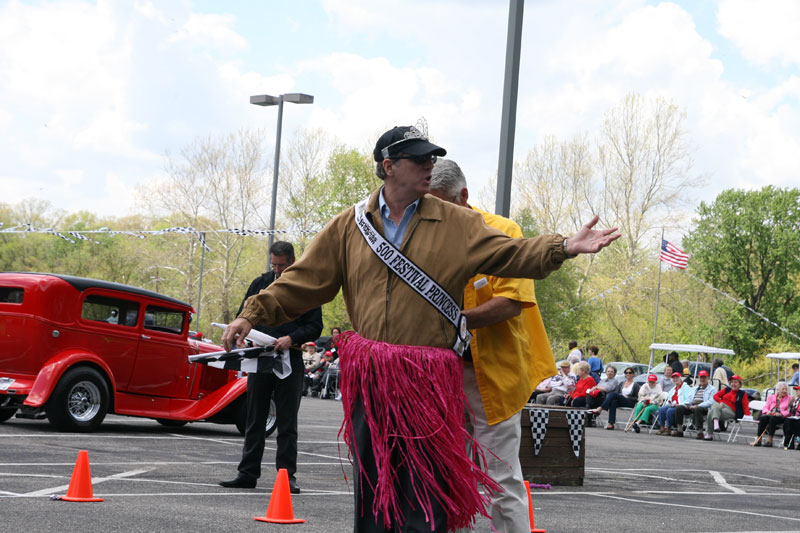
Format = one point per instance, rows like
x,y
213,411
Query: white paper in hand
x,y
262,339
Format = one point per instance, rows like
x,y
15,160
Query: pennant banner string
x,y
141,234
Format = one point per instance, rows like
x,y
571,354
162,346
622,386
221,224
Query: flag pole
x,y
658,294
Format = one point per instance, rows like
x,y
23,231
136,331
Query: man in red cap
x,y
732,404
680,393
310,355
402,259
702,398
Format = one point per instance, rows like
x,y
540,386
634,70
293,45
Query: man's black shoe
x,y
239,482
293,488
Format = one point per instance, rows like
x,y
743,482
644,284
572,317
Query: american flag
x,y
673,255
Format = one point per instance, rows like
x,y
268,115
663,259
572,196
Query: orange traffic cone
x,y
80,486
280,503
530,510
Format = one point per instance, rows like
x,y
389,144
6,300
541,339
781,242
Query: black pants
x,y
578,402
595,401
791,429
615,400
288,392
680,413
365,521
771,421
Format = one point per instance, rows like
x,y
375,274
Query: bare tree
x,y
217,182
302,170
645,163
555,183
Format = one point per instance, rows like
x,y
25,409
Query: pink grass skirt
x,y
413,400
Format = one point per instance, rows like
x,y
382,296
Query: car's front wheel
x,y
79,402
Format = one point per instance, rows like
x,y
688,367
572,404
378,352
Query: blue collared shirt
x,y
393,232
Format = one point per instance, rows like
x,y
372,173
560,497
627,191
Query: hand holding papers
x,y
250,359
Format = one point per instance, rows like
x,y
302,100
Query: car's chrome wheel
x,y
84,401
80,401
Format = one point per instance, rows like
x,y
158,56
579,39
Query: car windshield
x,y
658,369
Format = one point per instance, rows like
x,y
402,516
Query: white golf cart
x,y
784,360
695,366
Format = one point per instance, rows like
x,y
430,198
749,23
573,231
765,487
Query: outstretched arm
x,y
590,241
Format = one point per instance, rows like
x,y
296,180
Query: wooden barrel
x,y
556,463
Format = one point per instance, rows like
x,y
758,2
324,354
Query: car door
x,y
108,329
162,367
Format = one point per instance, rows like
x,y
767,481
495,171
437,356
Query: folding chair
x,y
755,405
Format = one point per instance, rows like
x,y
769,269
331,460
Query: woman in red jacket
x,y
731,404
585,382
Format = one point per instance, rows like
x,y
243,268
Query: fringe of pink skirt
x,y
413,401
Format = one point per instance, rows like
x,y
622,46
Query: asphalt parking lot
x,y
155,478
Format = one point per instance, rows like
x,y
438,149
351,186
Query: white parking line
x,y
664,478
215,495
95,481
206,439
714,493
84,436
723,483
156,463
699,507
12,474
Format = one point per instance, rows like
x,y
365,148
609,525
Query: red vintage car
x,y
74,349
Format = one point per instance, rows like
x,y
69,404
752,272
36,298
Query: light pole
x,y
268,100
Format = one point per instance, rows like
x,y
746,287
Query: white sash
x,y
414,277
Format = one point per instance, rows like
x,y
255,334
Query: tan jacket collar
x,y
429,208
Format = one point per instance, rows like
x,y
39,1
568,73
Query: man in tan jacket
x,y
400,379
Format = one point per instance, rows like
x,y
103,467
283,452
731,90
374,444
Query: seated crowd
x,y
673,403
321,377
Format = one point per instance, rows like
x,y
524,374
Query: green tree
x,y
556,295
747,243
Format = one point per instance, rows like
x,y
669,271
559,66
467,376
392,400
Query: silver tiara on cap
x,y
417,131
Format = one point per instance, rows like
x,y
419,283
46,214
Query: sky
x,y
94,94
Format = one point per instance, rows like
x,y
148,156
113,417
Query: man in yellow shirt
x,y
509,354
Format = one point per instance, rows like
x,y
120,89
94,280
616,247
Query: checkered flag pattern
x,y
251,360
539,420
575,421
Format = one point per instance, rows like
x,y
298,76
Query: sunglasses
x,y
629,373
418,159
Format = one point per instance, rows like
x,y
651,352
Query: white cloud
x,y
71,178
150,11
377,95
210,30
118,195
763,31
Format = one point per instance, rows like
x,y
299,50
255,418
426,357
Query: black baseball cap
x,y
405,140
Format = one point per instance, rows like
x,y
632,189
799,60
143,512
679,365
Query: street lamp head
x,y
298,98
264,100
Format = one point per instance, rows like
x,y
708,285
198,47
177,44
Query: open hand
x,y
590,241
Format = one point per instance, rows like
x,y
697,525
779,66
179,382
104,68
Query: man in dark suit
x,y
260,387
